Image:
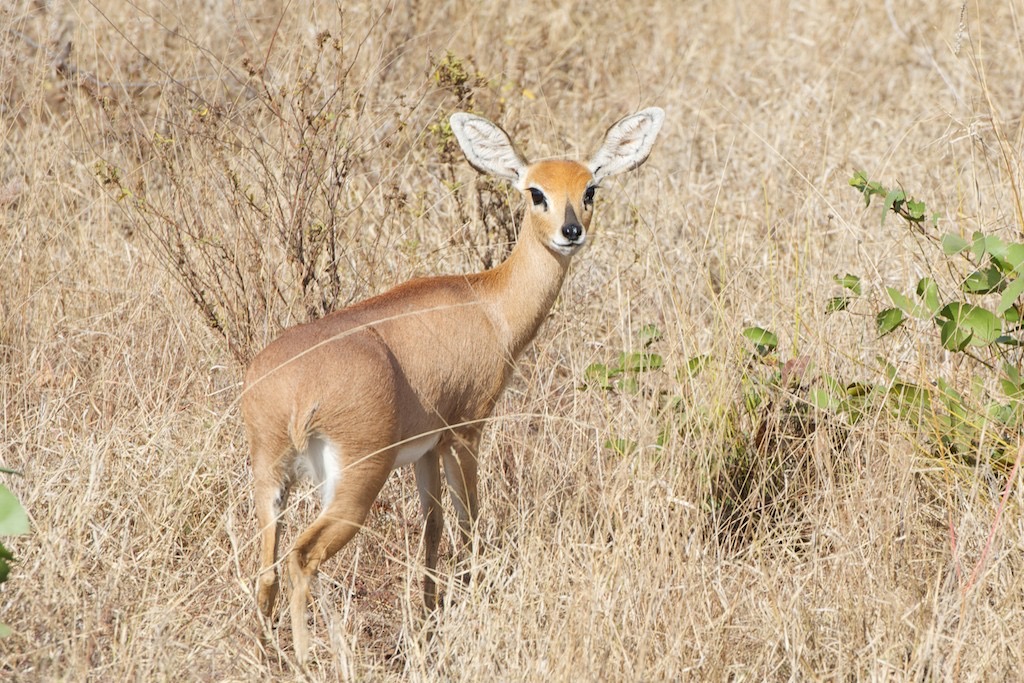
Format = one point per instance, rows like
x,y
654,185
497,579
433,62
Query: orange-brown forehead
x,y
554,176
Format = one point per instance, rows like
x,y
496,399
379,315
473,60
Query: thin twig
x,y
995,522
61,62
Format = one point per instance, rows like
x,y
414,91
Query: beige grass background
x,y
119,401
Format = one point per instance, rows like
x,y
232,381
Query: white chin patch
x,y
566,248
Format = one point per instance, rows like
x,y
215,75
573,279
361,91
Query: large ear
x,y
627,143
487,147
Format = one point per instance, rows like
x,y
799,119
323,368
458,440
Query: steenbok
x,y
410,376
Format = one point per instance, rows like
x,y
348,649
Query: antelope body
x,y
407,377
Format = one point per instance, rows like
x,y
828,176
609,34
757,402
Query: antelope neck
x,y
523,288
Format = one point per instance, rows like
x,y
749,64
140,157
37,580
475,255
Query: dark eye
x,y
538,197
588,196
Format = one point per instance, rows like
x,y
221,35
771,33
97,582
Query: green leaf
x,y
1013,374
1012,261
995,247
903,303
953,337
987,244
600,375
952,398
863,389
867,187
929,293
5,630
696,364
13,520
953,244
986,325
841,303
1001,413
5,567
833,385
888,320
764,340
1010,295
962,324
640,361
893,200
822,399
830,396
916,210
859,180
850,282
837,303
752,400
1011,382
984,281
910,400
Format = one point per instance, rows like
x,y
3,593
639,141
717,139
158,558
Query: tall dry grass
x,y
182,182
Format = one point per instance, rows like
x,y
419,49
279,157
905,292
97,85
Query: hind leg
x,y
270,501
329,533
270,496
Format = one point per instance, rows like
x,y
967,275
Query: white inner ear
x,y
487,147
628,143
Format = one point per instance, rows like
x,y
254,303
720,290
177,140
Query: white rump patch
x,y
322,462
411,451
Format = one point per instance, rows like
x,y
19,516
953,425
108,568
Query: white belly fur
x,y
411,451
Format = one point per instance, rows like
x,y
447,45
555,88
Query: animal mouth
x,y
568,248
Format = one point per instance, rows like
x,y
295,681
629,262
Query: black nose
x,y
572,231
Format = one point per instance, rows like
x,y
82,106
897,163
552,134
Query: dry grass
x,y
119,399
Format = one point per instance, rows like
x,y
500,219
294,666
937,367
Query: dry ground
x,y
236,127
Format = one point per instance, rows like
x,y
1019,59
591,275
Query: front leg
x,y
428,483
460,469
